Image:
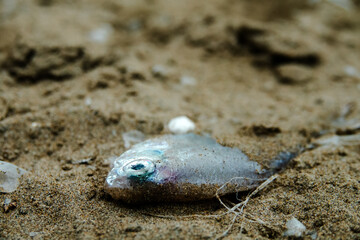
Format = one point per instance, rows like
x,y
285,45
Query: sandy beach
x,y
260,76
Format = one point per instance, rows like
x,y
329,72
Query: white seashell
x,y
188,81
180,125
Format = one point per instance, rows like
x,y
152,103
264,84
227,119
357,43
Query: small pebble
x,y
101,34
313,235
351,71
35,125
293,74
7,201
9,204
88,101
159,71
294,228
188,81
9,177
33,234
66,167
180,125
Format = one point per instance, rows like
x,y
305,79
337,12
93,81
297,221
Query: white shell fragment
x,y
351,71
101,34
180,125
159,71
9,177
294,228
88,101
188,81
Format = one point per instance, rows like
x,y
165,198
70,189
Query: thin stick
x,y
243,205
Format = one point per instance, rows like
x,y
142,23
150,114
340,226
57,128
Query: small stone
x,y
293,74
9,204
351,71
34,234
180,125
9,177
188,81
294,228
66,167
101,34
159,71
88,101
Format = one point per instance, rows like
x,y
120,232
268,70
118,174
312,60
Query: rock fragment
x,y
351,71
101,34
188,81
294,228
159,71
9,204
9,177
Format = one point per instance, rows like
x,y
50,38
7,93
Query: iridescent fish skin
x,y
180,168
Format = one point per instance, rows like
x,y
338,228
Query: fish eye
x,y
139,168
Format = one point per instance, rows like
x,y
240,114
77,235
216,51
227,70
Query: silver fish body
x,y
180,168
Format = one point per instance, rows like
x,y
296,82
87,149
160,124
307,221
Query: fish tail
x,y
280,162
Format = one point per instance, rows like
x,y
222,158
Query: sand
x,y
265,77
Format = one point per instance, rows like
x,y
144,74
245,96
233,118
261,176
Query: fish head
x,y
133,175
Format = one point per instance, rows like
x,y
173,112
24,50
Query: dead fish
x,y
186,167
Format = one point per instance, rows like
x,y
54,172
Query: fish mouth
x,y
115,181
